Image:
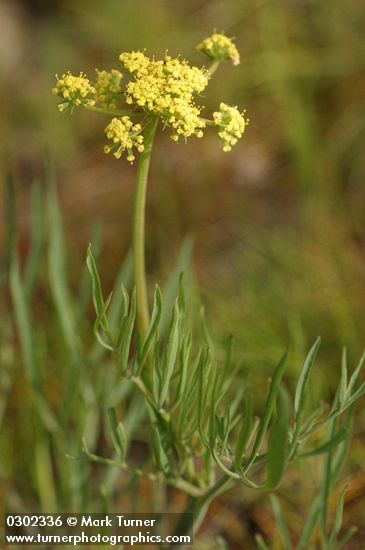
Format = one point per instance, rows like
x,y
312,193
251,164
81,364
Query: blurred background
x,y
278,224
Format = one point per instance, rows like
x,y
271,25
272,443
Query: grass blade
x,y
310,525
24,325
57,272
281,523
37,236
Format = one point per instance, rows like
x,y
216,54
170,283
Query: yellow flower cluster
x,y
231,124
124,136
108,90
75,90
166,88
219,48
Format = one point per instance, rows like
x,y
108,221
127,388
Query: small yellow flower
x,y
108,89
219,48
135,62
231,124
166,88
74,90
123,136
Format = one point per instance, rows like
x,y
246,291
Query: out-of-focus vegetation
x,y
278,223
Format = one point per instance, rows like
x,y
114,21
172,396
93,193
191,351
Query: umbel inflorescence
x,y
164,89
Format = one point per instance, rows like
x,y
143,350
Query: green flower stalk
x,y
139,227
165,90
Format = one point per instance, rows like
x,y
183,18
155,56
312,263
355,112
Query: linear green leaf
x,y
118,434
277,453
269,406
153,328
125,344
97,293
109,345
303,381
85,285
310,525
328,446
342,449
171,352
355,375
244,433
342,389
185,351
338,519
162,461
327,481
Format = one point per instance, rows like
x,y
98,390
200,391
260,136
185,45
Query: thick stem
x,y
139,228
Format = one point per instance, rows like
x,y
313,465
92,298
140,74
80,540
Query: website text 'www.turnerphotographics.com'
x,y
97,529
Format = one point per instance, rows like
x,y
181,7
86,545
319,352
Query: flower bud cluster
x,y
219,48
